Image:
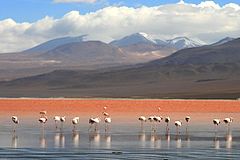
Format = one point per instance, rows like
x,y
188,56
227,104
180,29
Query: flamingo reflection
x,y
142,138
229,140
94,138
14,141
155,141
75,139
59,140
108,140
168,139
216,143
42,141
178,142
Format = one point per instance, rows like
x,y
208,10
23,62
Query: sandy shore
x,y
116,106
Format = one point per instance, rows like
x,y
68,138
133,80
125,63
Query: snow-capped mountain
x,y
222,41
132,39
49,45
143,38
184,42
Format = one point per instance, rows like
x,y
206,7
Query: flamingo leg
x,y
216,130
95,127
229,128
43,128
105,127
167,129
108,127
90,127
61,125
74,128
155,126
14,127
152,127
141,125
187,129
56,124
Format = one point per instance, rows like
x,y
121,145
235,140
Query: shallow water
x,y
124,140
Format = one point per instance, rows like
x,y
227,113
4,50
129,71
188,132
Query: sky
x,y
26,23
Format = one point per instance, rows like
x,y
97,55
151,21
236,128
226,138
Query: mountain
x,y
184,42
86,53
222,41
132,39
144,39
143,47
77,55
225,53
202,72
49,45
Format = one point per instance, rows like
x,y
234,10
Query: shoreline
x,y
102,98
122,107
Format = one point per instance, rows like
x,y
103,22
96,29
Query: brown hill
x,y
204,72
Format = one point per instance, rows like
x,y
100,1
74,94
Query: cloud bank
x,y
207,21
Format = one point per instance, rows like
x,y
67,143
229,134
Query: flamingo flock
x,y
154,120
94,122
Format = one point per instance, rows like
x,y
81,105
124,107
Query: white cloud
x,y
207,21
74,1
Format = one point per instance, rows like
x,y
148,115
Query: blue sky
x,y
33,10
207,21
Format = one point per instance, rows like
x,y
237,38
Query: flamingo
x,y
56,119
43,113
167,120
105,113
62,119
178,124
157,119
216,123
187,119
15,121
151,120
75,121
228,122
43,121
107,121
142,119
95,121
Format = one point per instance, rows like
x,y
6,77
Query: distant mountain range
x,y
49,45
222,41
209,71
142,38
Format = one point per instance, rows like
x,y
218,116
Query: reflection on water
x,y
108,140
155,141
188,141
202,141
216,143
75,139
42,141
94,139
142,139
229,140
14,141
59,140
178,142
168,139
